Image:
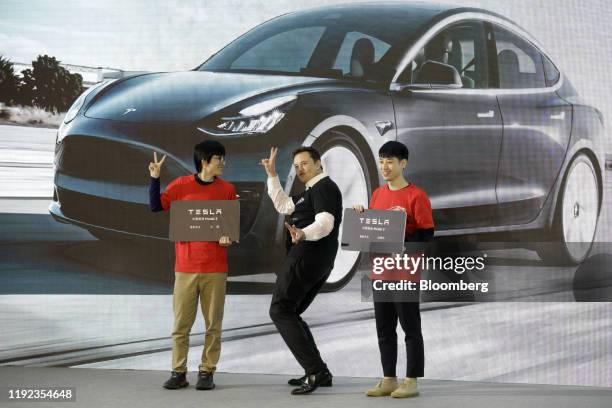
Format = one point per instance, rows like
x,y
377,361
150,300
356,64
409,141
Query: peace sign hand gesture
x,y
270,163
155,166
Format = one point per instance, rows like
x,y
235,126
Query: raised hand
x,y
155,166
269,164
297,234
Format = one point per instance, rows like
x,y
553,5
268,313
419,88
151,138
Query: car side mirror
x,y
432,74
437,73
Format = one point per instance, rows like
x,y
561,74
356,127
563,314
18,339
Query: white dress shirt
x,y
324,221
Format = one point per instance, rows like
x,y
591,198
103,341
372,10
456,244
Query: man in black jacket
x,y
315,217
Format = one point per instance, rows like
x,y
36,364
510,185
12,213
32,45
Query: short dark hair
x,y
205,151
394,149
314,153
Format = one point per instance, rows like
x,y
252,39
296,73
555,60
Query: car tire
x,y
346,161
574,224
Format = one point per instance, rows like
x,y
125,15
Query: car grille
x,y
120,164
109,161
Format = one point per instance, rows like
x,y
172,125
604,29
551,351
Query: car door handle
x,y
559,116
488,114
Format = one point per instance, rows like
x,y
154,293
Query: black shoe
x,y
205,381
176,381
298,382
313,382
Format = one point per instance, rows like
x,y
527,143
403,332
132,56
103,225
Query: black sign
x,y
204,220
373,230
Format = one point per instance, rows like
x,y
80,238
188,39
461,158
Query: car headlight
x,y
257,118
260,124
61,133
78,104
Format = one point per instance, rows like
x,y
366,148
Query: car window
x,y
551,73
463,47
287,51
348,50
321,45
519,63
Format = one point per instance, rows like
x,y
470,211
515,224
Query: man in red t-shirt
x,y
400,195
200,267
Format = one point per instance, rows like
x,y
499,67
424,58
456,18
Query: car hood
x,y
179,97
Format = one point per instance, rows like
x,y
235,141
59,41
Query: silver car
x,y
498,137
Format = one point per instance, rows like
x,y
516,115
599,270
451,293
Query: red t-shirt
x,y
198,257
418,215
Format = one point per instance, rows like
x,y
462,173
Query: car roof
x,y
426,13
396,8
417,14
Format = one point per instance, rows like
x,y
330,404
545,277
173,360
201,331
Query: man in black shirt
x,y
315,217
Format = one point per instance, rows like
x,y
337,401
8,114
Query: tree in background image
x,y
8,82
53,87
46,85
26,89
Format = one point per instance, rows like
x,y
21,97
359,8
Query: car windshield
x,y
340,45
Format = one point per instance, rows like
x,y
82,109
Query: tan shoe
x,y
408,388
384,387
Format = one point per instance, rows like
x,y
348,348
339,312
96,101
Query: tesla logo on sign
x,y
128,110
205,211
373,221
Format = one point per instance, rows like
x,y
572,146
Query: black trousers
x,y
298,282
387,315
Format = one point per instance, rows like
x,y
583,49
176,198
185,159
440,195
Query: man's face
x,y
391,167
305,167
215,166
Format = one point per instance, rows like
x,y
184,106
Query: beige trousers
x,y
209,288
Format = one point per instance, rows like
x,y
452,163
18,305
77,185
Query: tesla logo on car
x,y
128,110
383,126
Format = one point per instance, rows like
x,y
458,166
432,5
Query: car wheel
x,y
345,163
576,215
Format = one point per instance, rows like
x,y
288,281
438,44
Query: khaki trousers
x,y
210,289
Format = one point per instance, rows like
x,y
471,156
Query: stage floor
x,y
132,388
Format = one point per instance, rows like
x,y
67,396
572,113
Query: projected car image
x,y
498,137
